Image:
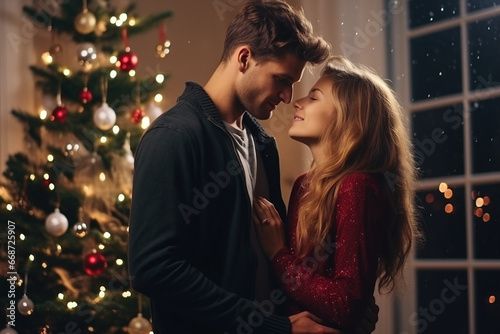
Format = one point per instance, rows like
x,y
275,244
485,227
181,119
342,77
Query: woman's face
x,y
312,113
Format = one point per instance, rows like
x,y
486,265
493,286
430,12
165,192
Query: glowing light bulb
x,y
158,98
160,78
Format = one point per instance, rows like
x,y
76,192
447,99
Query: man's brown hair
x,y
272,28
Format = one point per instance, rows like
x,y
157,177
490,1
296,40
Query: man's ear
x,y
244,55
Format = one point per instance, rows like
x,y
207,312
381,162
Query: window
x,y
446,68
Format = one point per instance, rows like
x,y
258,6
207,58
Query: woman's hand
x,y
269,227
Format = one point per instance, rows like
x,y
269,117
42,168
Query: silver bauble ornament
x,y
139,325
81,229
86,52
85,22
56,223
104,117
153,111
8,330
25,306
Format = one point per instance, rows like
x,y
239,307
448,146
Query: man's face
x,y
267,83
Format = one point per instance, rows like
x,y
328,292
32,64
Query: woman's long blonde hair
x,y
368,133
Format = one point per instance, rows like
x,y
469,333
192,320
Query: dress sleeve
x,y
336,281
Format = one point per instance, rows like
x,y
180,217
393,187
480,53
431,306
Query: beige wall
x,y
16,84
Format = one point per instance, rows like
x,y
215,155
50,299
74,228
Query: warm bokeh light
x,y
478,212
145,122
492,299
102,177
72,305
479,202
486,217
43,114
116,129
448,193
448,208
160,78
158,98
131,73
47,58
442,187
486,200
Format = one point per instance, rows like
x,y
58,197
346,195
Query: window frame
x,y
405,304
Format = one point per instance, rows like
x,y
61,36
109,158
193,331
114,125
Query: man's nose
x,y
286,95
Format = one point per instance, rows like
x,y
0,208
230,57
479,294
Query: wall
x,y
16,85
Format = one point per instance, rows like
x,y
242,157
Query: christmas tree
x,y
65,200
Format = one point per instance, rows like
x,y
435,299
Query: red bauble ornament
x,y
94,264
127,61
137,115
46,182
59,114
85,95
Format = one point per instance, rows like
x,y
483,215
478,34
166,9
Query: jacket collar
x,y
195,92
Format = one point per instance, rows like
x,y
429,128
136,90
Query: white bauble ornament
x,y
8,330
56,223
25,306
153,111
49,102
86,52
104,117
85,22
139,325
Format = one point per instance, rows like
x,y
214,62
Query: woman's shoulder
x,y
362,181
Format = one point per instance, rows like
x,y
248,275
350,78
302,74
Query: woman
x,y
351,216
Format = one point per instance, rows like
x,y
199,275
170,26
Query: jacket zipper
x,y
255,260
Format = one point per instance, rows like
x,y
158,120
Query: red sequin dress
x,y
337,279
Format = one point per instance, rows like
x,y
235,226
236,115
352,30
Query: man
x,y
192,247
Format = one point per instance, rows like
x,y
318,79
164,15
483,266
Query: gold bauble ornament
x,y
85,22
139,325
